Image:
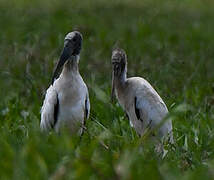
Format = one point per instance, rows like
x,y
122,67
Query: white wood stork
x,y
142,104
67,100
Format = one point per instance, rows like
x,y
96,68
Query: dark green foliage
x,y
169,43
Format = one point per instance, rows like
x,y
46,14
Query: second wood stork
x,y
67,100
142,104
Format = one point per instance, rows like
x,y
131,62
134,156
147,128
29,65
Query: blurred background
x,y
169,43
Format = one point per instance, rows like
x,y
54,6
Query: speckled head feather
x,y
119,56
119,68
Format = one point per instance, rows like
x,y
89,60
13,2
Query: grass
x,y
168,43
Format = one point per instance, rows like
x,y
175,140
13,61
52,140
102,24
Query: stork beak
x,y
115,70
113,88
66,53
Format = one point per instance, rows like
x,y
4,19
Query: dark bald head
x,y
118,56
73,43
72,47
119,61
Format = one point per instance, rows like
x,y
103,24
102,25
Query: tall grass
x,y
169,43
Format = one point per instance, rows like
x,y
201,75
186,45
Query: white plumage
x,y
144,107
67,102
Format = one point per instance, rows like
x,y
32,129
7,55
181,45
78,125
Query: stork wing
x,y
49,110
151,110
87,107
151,106
86,112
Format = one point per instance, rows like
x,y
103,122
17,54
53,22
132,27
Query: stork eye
x,y
74,39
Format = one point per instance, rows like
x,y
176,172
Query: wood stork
x,y
142,104
66,101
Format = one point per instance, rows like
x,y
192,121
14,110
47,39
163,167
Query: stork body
x,y
66,102
140,101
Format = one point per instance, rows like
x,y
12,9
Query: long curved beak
x,y
66,53
113,88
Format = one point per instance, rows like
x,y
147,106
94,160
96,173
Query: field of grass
x,y
169,43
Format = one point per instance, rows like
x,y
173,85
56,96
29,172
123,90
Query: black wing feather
x,y
137,111
56,112
86,109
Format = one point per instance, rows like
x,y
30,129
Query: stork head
x,y
119,65
72,47
119,61
73,43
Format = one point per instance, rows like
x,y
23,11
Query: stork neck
x,y
121,77
72,65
